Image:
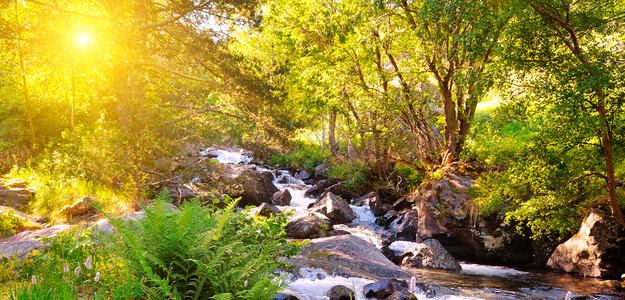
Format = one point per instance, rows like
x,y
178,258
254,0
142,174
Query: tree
x,y
574,51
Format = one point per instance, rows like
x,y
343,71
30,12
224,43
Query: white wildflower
x,y
413,285
33,279
88,262
97,277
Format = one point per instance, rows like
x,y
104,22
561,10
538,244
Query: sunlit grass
x,y
54,191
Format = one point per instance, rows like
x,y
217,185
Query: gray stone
x,y
342,191
322,170
384,288
430,255
25,242
309,226
341,292
348,256
372,200
334,208
597,250
282,198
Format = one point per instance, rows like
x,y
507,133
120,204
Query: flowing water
x,y
473,282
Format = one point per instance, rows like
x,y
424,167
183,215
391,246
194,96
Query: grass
x,y
53,191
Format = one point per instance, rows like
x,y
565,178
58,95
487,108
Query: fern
x,y
197,252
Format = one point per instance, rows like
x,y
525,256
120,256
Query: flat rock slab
x,y
348,255
23,243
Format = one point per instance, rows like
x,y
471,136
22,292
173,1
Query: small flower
x,y
245,283
413,285
88,262
97,276
65,268
77,270
33,279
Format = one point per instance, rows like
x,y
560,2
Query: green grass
x,y
55,190
303,154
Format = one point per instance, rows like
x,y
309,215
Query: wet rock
x,y
334,208
25,242
79,207
321,171
282,198
303,175
384,288
405,227
309,226
342,191
402,203
597,250
431,255
14,193
283,297
348,256
372,200
318,188
340,292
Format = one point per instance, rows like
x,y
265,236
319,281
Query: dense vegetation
x,y
390,92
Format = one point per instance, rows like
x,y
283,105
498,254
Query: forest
x,y
105,98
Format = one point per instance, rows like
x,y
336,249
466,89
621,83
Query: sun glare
x,y
83,39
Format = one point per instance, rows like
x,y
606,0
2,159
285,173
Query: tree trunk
x,y
606,140
331,133
451,125
26,98
323,133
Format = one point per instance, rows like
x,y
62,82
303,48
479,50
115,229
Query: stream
x,y
474,281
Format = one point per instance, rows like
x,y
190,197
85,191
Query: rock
x,y
405,227
342,191
14,193
348,256
401,203
597,250
431,255
341,292
79,207
266,210
401,295
252,186
282,198
25,242
321,171
334,208
181,193
309,226
384,288
372,200
318,188
283,297
303,175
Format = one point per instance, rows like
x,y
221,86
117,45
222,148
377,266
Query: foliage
x,y
353,173
9,223
203,252
76,264
408,177
303,154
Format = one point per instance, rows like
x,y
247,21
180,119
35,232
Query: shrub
x,y
9,223
204,252
304,155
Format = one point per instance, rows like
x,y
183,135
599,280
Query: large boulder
x,y
282,198
79,207
309,226
447,213
348,256
597,250
254,187
334,208
430,255
322,171
406,225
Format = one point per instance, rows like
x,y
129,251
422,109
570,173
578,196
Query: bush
x,y
304,155
9,223
353,173
203,252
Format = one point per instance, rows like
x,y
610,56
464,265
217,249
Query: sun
x,y
83,39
